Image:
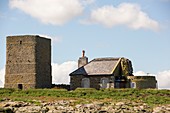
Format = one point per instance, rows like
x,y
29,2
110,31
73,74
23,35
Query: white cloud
x,y
125,14
2,77
55,12
161,77
139,73
164,79
60,72
142,73
55,39
87,2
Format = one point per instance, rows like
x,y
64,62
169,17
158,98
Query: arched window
x,y
85,83
104,81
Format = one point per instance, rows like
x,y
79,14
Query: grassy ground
x,y
149,96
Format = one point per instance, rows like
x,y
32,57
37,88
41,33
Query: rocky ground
x,y
71,106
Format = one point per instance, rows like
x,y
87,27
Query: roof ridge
x,y
106,58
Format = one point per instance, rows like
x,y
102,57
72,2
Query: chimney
x,y
82,60
83,53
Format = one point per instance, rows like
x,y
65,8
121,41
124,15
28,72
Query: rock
x,y
141,107
103,111
157,109
69,109
54,111
52,107
78,106
8,110
168,108
29,109
60,107
120,103
88,105
4,104
67,106
44,110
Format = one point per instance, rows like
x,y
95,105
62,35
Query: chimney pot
x,y
83,53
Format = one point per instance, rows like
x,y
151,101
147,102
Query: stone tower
x,y
28,62
82,60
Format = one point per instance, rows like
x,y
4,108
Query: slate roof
x,y
98,66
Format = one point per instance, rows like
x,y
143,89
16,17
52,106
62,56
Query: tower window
x,y
20,42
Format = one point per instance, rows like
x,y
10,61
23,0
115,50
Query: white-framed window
x,y
133,85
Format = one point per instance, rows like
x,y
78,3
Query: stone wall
x,y
143,82
43,63
75,81
28,62
95,81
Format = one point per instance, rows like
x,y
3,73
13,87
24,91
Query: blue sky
x,y
135,29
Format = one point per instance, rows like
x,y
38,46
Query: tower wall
x,y
28,62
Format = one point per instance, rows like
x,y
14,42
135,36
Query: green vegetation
x,y
149,96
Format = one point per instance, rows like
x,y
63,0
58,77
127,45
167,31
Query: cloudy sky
x,y
135,29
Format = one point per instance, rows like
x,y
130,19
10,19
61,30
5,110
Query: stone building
x,y
28,62
108,73
142,82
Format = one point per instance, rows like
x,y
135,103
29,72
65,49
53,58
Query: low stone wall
x,y
143,82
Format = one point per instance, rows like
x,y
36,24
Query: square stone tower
x,y
28,62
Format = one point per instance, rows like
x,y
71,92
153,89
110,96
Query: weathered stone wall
x,y
43,63
25,57
143,82
75,81
95,81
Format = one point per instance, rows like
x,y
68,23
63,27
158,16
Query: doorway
x,y
20,86
85,83
104,81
